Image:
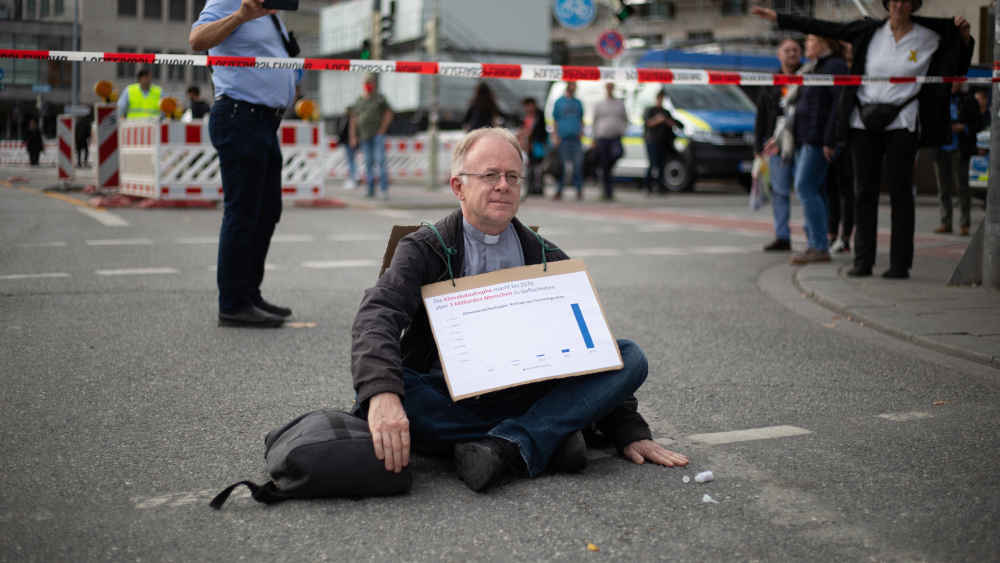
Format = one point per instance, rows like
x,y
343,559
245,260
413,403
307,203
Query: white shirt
x,y
910,56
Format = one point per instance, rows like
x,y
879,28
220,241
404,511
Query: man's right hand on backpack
x,y
390,430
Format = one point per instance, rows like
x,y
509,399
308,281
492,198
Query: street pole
x,y
991,226
376,30
432,166
75,94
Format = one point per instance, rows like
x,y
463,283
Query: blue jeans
x,y
352,166
374,151
782,174
656,152
571,150
810,177
537,417
250,165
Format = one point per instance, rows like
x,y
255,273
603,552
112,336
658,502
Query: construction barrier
x,y
407,158
176,161
14,152
65,127
106,135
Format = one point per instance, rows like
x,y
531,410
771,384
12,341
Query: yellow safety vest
x,y
143,105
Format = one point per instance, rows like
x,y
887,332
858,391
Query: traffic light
x,y
366,49
623,10
388,21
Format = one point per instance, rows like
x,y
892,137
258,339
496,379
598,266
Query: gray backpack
x,y
324,453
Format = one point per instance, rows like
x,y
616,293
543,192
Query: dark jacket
x,y
951,59
33,141
394,306
768,110
970,116
538,132
815,117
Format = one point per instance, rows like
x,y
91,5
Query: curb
x,y
854,316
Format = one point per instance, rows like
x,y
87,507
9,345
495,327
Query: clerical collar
x,y
480,236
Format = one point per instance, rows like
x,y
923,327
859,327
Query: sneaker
x,y
963,231
485,462
896,274
943,229
350,184
840,245
779,245
810,256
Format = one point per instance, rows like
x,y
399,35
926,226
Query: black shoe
x,y
482,463
250,316
859,272
571,457
896,274
277,310
779,245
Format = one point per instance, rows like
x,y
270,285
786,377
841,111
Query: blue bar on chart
x,y
583,325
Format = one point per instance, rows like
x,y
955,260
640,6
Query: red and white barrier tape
x,y
490,70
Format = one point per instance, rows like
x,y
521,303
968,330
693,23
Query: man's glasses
x,y
493,178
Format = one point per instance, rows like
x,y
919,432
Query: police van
x,y
714,138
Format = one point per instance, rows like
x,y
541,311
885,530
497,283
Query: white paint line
x,y
268,267
722,249
764,433
175,500
326,264
136,271
34,276
608,229
394,213
120,242
106,218
751,234
659,228
905,416
198,240
547,232
661,251
358,237
292,238
705,228
54,243
584,252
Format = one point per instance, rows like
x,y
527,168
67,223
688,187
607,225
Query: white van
x,y
715,140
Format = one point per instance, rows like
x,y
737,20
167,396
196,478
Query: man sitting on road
x,y
399,382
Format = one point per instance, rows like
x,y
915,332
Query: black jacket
x,y
394,306
951,59
815,113
768,110
970,116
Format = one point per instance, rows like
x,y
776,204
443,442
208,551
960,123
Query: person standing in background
x,y
534,140
244,130
610,122
658,133
951,166
370,119
140,100
199,108
568,115
82,134
483,110
33,141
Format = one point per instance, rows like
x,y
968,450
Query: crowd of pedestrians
x,y
877,123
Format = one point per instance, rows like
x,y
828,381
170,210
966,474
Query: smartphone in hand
x,y
280,4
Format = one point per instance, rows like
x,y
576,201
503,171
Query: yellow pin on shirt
x,y
913,55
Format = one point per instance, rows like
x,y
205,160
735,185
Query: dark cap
x,y
916,4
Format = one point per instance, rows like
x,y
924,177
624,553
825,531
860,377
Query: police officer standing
x,y
141,99
243,126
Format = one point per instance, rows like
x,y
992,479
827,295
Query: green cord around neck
x,y
448,251
545,248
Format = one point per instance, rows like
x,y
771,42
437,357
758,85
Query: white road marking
x,y
33,276
394,213
660,251
119,242
198,240
292,238
136,271
764,433
54,243
268,267
106,218
905,416
583,252
722,249
547,232
174,500
660,228
326,264
358,237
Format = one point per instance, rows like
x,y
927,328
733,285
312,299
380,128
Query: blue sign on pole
x,y
575,14
1,74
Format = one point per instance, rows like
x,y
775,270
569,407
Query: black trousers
x,y
898,149
840,196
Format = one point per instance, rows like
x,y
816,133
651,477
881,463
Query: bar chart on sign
x,y
517,332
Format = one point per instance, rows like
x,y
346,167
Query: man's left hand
x,y
964,28
642,451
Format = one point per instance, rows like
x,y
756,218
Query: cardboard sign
x,y
519,325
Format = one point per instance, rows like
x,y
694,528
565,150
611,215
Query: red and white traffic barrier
x,y
107,146
65,126
407,158
176,161
489,70
15,153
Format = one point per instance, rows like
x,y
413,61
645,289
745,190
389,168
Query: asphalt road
x,y
125,408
